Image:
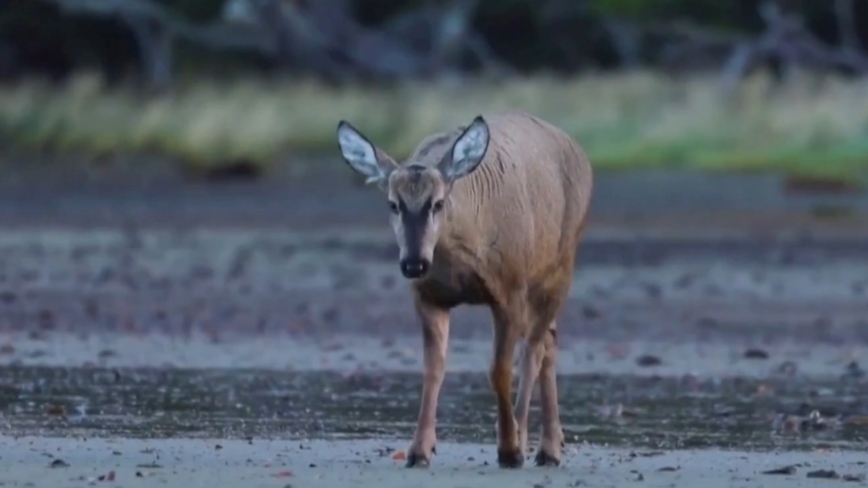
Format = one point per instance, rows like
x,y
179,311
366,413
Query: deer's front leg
x,y
435,334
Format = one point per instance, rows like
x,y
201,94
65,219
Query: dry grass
x,y
812,126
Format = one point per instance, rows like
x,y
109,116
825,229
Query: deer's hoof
x,y
416,459
545,459
510,458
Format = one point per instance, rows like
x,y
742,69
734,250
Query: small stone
x,y
590,312
647,360
783,470
106,353
756,354
853,370
828,474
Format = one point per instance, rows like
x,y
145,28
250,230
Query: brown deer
x,y
487,214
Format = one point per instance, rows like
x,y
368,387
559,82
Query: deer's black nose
x,y
414,268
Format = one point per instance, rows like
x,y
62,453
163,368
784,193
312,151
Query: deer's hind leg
x,y
546,304
552,438
532,355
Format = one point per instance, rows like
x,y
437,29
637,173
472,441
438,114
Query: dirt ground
x,y
99,260
680,276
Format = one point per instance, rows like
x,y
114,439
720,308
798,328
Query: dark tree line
x,y
151,41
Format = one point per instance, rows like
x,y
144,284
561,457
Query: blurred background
x,y
217,84
171,195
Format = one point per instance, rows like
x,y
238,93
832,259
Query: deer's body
x,y
490,214
513,222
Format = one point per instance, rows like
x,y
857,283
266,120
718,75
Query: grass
x,y
812,126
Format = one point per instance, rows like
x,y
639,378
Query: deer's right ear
x,y
361,154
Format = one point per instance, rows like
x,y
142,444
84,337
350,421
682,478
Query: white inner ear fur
x,y
469,150
359,153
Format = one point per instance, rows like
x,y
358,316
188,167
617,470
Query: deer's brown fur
x,y
506,237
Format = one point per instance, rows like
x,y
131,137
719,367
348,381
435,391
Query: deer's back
x,y
524,208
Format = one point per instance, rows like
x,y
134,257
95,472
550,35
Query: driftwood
x,y
687,47
156,29
322,38
785,41
788,41
317,37
326,39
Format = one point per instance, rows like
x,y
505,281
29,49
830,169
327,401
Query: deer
x,y
491,214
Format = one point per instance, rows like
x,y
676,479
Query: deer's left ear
x,y
468,151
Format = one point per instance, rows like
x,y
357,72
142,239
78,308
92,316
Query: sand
x,y
234,463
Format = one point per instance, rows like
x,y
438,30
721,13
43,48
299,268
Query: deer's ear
x,y
362,155
468,151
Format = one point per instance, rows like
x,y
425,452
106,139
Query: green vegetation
x,y
814,127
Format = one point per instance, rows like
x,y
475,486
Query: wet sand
x,y
355,353
782,408
260,463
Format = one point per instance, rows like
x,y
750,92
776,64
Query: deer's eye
x,y
438,206
393,207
